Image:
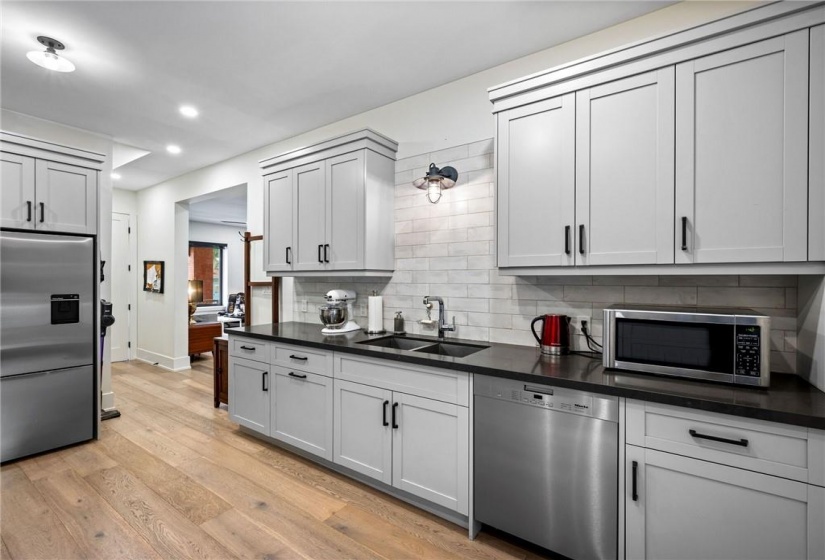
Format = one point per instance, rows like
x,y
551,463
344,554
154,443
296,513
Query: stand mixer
x,y
337,313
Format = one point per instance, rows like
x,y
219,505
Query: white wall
x,y
454,114
57,133
233,256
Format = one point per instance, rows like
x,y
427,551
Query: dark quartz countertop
x,y
790,399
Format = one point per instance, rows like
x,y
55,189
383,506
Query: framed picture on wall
x,y
153,276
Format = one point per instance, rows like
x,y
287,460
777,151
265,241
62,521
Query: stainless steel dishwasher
x,y
546,465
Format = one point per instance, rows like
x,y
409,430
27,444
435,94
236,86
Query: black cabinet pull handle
x,y
294,357
394,408
581,238
42,212
248,348
263,381
566,240
288,261
320,258
326,253
635,490
741,442
293,374
29,206
384,416
684,233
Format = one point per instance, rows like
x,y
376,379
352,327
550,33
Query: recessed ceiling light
x,y
172,149
115,176
188,111
49,59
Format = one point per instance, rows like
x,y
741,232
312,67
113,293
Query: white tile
x,y
481,147
507,336
448,290
403,252
562,308
486,176
471,333
413,162
513,307
479,305
602,294
656,295
429,224
649,280
470,276
404,177
485,262
402,276
404,201
448,263
492,291
490,320
542,292
411,264
480,205
791,298
777,341
741,297
469,220
448,236
565,280
431,276
411,289
483,233
431,250
418,238
414,213
769,281
783,362
699,280
469,248
404,227
450,156
790,341
444,209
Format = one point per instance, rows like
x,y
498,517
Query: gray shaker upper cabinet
x,y
741,154
624,171
329,208
536,183
690,153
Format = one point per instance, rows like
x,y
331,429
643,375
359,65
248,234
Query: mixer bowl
x,y
333,315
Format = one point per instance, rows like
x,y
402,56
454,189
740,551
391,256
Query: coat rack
x,y
249,283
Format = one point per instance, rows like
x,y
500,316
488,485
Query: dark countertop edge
x,y
654,396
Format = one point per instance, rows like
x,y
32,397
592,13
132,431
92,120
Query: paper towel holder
x,y
368,330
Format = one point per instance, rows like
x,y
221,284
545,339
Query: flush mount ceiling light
x,y
49,59
188,111
435,180
172,149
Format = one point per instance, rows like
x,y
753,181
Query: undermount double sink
x,y
425,346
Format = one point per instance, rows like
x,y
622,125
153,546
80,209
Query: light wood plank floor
x,y
174,478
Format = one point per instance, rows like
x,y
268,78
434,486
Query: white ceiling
x,y
226,207
260,72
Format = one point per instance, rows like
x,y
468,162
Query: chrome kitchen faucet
x,y
442,313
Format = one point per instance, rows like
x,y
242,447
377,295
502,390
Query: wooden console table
x,y
201,336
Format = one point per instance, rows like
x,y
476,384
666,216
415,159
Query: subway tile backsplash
x,y
448,249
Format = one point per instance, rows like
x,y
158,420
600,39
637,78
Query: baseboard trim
x,y
165,362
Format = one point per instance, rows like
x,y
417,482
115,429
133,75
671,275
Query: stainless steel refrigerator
x,y
47,342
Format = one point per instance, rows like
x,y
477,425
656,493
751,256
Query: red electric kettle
x,y
555,333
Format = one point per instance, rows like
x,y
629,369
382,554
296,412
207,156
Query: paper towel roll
x,y
375,320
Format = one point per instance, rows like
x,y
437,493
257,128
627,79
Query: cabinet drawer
x,y
249,348
302,358
756,445
431,383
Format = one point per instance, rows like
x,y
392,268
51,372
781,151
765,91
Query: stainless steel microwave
x,y
727,345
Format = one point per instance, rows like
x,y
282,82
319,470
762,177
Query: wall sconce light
x,y
435,180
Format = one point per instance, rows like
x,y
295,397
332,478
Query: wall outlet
x,y
579,321
303,305
362,309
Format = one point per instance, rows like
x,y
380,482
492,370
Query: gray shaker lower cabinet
x,y
249,384
302,410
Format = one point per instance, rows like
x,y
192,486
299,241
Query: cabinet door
x,y
309,232
624,171
302,410
687,508
741,154
66,198
345,211
363,438
430,451
536,183
278,208
249,394
816,159
17,194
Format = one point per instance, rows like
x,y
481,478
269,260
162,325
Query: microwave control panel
x,y
748,350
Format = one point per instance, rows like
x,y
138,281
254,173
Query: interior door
x,y
122,277
741,154
536,183
624,171
345,213
17,194
309,229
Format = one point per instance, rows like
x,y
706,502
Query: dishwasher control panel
x,y
547,397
